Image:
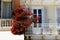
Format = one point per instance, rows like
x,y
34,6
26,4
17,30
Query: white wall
x,y
40,2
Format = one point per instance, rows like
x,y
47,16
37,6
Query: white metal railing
x,y
44,28
5,23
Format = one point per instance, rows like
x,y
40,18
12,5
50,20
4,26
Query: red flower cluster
x,y
21,20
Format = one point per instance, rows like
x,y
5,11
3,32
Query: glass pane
x,y
35,16
6,10
35,11
39,11
40,20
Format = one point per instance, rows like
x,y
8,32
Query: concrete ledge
x,y
5,28
43,37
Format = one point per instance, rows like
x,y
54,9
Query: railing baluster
x,y
5,23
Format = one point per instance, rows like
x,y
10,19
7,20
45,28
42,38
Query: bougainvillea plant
x,y
21,20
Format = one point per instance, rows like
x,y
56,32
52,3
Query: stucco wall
x,y
50,4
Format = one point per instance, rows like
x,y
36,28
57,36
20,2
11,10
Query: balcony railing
x,y
5,24
44,28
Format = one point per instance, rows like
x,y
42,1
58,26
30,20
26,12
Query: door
x,y
36,29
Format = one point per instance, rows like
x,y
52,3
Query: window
x,y
40,20
6,11
38,12
43,22
35,14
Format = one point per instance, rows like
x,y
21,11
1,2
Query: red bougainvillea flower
x,y
37,18
21,20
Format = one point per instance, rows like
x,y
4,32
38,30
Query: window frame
x,y
39,7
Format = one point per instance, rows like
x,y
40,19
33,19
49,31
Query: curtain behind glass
x,y
6,10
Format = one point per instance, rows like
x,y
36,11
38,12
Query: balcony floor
x,y
7,35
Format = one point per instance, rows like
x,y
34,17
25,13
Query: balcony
x,y
5,24
44,28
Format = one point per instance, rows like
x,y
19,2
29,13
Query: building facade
x,y
48,10
49,22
